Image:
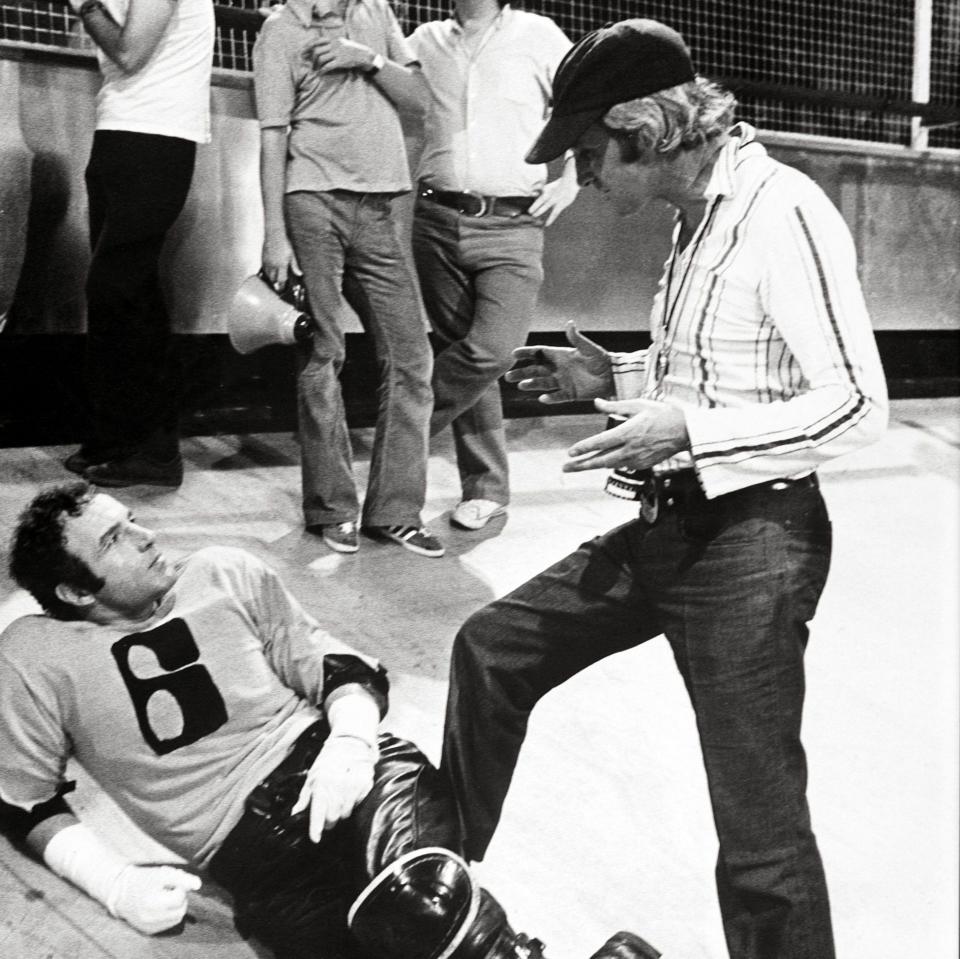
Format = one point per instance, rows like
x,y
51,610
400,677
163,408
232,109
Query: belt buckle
x,y
649,501
481,199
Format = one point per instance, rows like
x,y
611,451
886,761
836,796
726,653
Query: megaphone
x,y
259,316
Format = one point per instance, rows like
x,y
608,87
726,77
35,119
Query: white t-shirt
x,y
170,95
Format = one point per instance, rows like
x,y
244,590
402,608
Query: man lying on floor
x,y
235,731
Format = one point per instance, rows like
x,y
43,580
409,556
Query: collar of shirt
x,y
456,27
722,179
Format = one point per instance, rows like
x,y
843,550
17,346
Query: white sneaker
x,y
476,513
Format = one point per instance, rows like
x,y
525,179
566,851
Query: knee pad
x,y
427,905
420,907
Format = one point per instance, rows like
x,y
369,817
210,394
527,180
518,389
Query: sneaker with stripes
x,y
416,539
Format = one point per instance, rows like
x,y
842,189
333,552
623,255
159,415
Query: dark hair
x,y
39,560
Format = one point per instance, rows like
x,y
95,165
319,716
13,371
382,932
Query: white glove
x,y
341,775
151,898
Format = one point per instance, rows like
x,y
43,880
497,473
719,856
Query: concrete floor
x,y
607,825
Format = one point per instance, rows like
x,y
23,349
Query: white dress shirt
x,y
760,331
490,105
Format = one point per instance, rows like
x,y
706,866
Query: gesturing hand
x,y
580,371
341,775
652,432
152,898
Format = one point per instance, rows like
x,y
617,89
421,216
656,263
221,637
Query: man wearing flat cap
x,y
762,366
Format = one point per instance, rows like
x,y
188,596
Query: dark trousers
x,y
732,583
293,894
137,185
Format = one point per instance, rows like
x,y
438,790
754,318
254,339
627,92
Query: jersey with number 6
x,y
177,717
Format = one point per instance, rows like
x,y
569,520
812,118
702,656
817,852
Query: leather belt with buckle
x,y
477,204
681,489
651,490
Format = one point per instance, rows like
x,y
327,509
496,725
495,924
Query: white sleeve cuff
x,y
629,373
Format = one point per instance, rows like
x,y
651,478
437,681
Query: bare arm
x,y
405,85
132,44
278,258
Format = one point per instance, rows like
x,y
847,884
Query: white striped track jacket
x,y
760,333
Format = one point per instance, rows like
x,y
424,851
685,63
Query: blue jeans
x,y
347,246
732,582
479,278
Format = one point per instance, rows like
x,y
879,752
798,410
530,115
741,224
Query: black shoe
x,y
85,457
137,469
417,539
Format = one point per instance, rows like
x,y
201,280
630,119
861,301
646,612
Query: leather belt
x,y
477,204
681,489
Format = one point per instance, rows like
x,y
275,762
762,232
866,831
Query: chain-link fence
x,y
837,68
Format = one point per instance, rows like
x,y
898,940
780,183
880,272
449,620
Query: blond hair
x,y
678,118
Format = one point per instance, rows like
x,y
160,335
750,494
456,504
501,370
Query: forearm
x,y
353,712
149,898
273,171
735,447
129,45
76,854
405,86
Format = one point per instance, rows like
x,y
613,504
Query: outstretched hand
x,y
650,433
581,371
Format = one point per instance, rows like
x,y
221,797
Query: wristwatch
x,y
376,64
